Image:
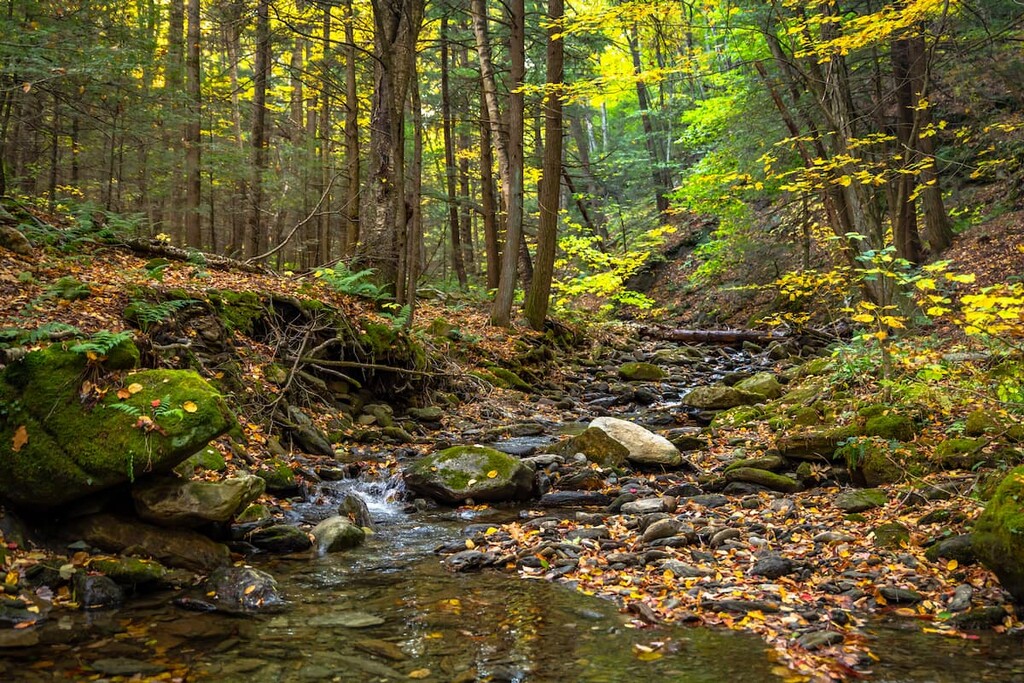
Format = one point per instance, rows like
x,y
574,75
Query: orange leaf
x,y
20,438
123,394
249,589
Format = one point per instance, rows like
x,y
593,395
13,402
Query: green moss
x,y
872,410
207,459
509,380
129,571
806,417
981,422
961,453
451,465
253,513
872,460
891,535
277,474
124,356
239,311
736,417
893,427
999,534
640,372
72,450
769,480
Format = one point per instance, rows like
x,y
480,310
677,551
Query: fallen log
x,y
155,248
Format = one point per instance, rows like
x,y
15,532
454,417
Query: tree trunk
x,y
458,265
326,238
173,81
351,136
254,239
904,210
550,183
413,201
501,312
193,129
488,200
660,175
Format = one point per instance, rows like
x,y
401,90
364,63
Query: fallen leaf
x,y
123,394
492,474
951,565
419,673
249,589
20,438
189,407
134,388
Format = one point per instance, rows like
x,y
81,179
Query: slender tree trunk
x,y
501,312
904,210
193,128
173,81
660,175
255,241
488,200
351,136
324,220
414,202
550,184
458,265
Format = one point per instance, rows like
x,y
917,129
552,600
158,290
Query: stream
x,y
389,610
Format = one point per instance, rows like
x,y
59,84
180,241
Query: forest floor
x,y
830,577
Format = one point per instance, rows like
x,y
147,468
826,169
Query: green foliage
x,y
101,343
16,336
146,314
358,283
127,409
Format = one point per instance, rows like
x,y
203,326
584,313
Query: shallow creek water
x,y
389,611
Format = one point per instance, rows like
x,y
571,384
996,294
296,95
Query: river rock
x,y
718,397
94,590
763,383
959,548
646,506
428,414
559,499
355,508
477,472
773,567
597,445
129,571
55,449
663,528
998,541
306,435
335,534
125,666
861,500
171,501
12,238
280,538
172,547
242,589
643,446
642,372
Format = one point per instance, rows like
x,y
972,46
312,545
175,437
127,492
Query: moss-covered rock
x,y
893,427
170,501
718,397
641,372
961,454
814,444
872,460
769,480
891,535
239,311
596,445
772,463
208,459
999,534
476,472
129,571
805,417
257,512
278,476
763,383
737,417
980,422
67,448
506,379
335,534
861,500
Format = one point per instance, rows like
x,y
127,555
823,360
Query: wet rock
x,y
14,639
381,648
171,501
597,445
93,590
253,513
980,618
482,474
644,447
900,596
769,480
773,567
559,499
306,435
278,477
124,666
643,372
861,500
468,560
709,500
347,619
354,507
335,534
280,538
171,547
242,589
959,548
815,640
961,599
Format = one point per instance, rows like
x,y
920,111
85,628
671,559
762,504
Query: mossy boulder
x,y
208,459
129,571
963,454
759,477
814,444
980,422
278,476
506,379
477,472
872,460
335,534
597,445
891,535
718,397
999,534
772,463
763,383
737,417
239,311
57,446
641,372
170,501
892,427
257,512
861,500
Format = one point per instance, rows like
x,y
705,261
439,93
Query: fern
x,y
343,280
164,409
125,408
146,314
400,317
102,342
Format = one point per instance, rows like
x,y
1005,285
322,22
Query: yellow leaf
x,y
492,474
11,579
135,388
189,407
469,543
20,438
419,673
249,589
863,318
951,565
490,530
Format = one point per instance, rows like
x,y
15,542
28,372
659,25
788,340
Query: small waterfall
x,y
383,497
